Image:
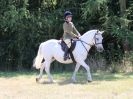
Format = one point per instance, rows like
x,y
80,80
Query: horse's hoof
x,y
37,79
89,81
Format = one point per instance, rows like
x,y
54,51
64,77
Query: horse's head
x,y
98,41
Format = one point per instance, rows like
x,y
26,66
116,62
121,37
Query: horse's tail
x,y
38,60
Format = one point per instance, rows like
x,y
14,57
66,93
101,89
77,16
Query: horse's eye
x,y
97,39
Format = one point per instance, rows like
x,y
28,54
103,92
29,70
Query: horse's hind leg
x,y
41,72
47,69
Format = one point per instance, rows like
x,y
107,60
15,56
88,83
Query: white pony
x,y
51,50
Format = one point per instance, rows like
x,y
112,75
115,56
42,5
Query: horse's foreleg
x,y
74,73
89,78
47,69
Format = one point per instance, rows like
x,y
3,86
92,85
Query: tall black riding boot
x,y
66,55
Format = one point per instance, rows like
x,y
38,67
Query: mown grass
x,y
15,85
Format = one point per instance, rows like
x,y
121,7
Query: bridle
x,y
95,38
95,43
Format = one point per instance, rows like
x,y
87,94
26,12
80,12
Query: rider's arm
x,y
75,30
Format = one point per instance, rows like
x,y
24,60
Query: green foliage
x,y
91,8
24,24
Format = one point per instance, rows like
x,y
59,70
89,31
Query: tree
x,y
122,6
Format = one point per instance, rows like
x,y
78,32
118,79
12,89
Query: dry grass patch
x,y
15,85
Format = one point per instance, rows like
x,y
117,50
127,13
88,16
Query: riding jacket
x,y
69,30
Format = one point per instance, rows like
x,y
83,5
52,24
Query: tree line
x,y
24,24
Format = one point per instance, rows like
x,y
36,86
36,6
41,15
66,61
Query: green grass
x,y
15,85
82,75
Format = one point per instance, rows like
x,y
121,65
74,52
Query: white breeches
x,y
68,42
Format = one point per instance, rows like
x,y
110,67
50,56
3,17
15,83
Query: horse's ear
x,y
101,32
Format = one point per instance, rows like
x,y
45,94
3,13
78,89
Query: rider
x,y
70,32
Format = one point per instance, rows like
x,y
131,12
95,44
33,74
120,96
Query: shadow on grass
x,y
81,78
69,81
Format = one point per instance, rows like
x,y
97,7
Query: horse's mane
x,y
89,33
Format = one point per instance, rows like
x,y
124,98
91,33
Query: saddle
x,y
70,50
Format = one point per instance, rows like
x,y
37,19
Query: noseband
x,y
95,38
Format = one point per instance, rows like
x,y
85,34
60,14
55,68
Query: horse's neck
x,y
88,37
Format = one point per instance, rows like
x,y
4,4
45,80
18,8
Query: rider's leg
x,y
66,53
68,42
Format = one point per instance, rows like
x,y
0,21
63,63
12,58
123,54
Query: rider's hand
x,y
77,37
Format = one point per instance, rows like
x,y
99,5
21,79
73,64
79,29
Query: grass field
x,y
22,85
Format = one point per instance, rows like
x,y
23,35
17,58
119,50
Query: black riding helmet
x,y
67,13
